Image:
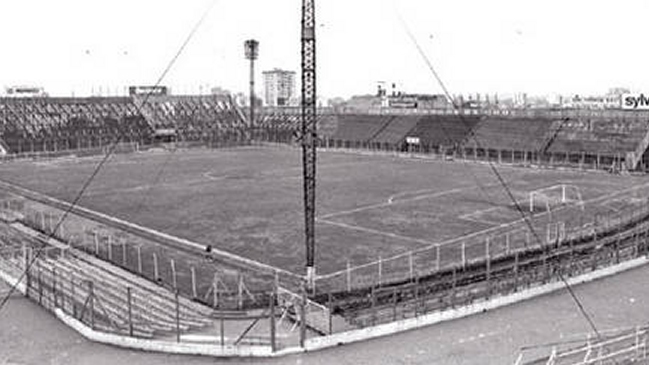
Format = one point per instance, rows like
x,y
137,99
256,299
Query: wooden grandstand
x,y
601,142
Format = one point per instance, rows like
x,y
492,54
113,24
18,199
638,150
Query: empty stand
x,y
193,118
520,134
284,126
360,128
396,130
53,124
599,136
443,130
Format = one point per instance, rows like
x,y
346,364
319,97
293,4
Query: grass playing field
x,y
248,200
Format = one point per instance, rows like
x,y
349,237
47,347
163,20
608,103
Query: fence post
x,y
96,239
437,258
124,253
273,346
303,318
222,331
193,274
110,247
411,264
54,287
73,302
91,293
454,286
349,277
487,248
177,316
139,259
417,295
155,267
380,264
173,274
329,310
373,293
240,292
40,283
463,254
488,276
61,232
516,271
525,157
215,290
394,304
129,304
549,264
26,260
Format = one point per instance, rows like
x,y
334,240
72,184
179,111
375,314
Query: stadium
x,y
176,223
405,232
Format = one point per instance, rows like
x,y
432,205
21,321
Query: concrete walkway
x,y
29,335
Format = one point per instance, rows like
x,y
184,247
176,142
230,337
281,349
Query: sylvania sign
x,y
635,102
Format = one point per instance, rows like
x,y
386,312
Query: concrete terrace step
x,y
164,309
396,130
111,273
162,319
111,312
114,307
117,296
158,295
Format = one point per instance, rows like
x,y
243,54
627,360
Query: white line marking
x,y
374,231
389,202
474,216
414,192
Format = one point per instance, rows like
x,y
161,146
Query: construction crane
x,y
309,133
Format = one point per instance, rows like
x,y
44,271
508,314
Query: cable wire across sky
x,y
115,142
496,173
112,147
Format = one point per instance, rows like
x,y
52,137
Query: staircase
x,y
551,134
633,158
243,117
149,311
396,130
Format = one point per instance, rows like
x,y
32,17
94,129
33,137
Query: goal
x,y
550,198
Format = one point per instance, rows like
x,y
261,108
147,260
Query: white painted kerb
x,y
318,343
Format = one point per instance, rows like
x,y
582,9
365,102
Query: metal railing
x,y
627,346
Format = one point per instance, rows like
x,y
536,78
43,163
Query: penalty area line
x,y
375,231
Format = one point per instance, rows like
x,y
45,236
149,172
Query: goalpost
x,y
549,198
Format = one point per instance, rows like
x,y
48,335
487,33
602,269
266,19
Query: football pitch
x,y
248,200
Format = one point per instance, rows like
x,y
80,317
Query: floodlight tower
x,y
309,135
252,52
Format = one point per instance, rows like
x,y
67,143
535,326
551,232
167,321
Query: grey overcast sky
x,y
504,46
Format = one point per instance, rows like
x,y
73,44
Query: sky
x,y
498,46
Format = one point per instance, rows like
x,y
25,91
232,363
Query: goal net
x,y
553,197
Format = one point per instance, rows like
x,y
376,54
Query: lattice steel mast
x,y
309,136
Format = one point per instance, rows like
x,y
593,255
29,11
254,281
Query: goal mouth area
x,y
554,197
